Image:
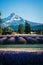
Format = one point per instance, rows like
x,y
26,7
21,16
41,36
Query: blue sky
x,y
31,10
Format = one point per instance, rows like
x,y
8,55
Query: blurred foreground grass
x,y
23,46
26,48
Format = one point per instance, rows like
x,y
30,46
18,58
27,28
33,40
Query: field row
x,y
21,58
21,39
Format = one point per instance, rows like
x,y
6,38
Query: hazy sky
x,y
31,10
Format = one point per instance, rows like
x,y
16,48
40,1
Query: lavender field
x,y
21,58
12,54
21,40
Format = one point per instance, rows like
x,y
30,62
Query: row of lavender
x,y
21,58
21,39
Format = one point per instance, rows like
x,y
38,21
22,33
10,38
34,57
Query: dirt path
x,y
22,49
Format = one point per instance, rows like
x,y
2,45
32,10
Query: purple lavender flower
x,y
2,39
21,40
21,58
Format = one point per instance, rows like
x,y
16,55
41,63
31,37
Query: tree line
x,y
24,29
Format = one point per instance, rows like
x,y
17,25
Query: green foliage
x,y
1,30
27,28
39,32
7,30
0,25
21,29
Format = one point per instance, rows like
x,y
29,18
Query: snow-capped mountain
x,y
14,20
